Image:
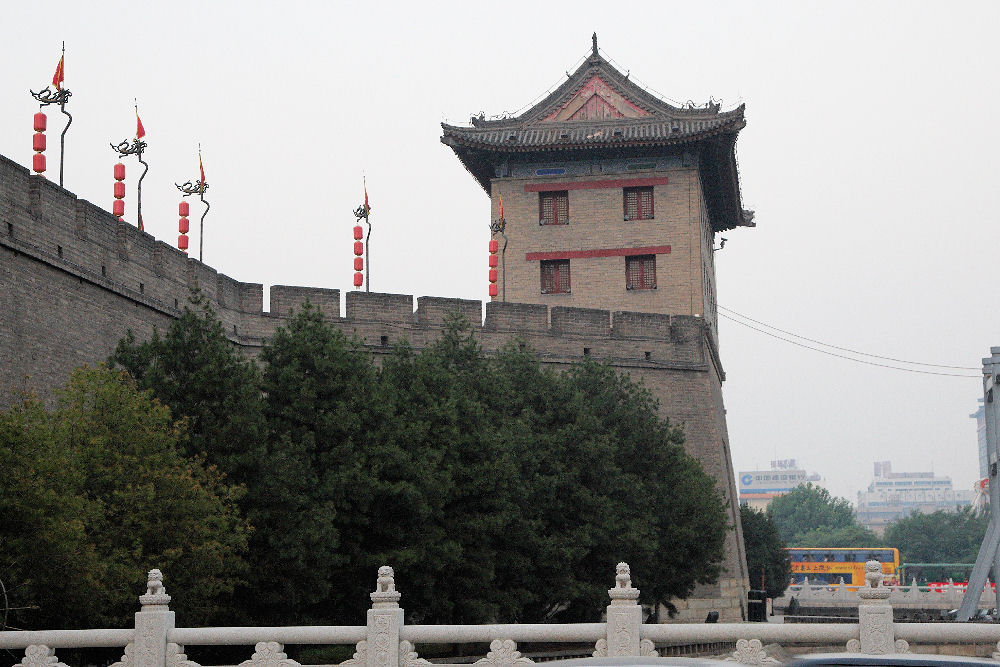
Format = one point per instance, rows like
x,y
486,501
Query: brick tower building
x,y
612,199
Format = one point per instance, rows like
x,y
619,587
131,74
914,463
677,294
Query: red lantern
x,y
493,289
119,190
118,208
183,209
119,172
183,225
38,142
182,242
358,233
359,279
494,245
493,261
40,122
38,163
359,248
493,275
359,263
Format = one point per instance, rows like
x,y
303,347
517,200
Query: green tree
x,y
195,370
318,386
765,552
810,512
95,493
939,537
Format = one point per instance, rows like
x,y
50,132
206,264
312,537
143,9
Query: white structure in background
x,y
894,495
759,487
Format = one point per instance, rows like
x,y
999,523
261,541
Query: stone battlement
x,y
50,225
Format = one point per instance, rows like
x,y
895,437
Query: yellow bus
x,y
828,566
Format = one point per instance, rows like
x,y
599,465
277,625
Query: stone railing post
x,y
875,626
624,620
384,620
152,623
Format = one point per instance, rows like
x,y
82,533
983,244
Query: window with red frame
x,y
553,208
555,276
640,272
639,203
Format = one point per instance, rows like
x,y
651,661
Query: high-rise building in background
x,y
895,495
759,487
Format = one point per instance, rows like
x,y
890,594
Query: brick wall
x,y
73,280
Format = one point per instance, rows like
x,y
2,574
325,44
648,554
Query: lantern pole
x,y
500,226
197,187
59,96
359,213
135,148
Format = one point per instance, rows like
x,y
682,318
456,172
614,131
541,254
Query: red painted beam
x,y
601,252
595,185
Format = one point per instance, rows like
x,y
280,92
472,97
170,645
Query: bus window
x,y
829,558
872,555
807,558
848,557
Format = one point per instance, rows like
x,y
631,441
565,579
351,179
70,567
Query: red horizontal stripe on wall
x,y
601,252
595,185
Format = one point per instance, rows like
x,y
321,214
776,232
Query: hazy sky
x,y
869,156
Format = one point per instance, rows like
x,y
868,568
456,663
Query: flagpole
x,y
60,96
62,137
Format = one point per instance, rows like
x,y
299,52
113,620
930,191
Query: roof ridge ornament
x,y
594,38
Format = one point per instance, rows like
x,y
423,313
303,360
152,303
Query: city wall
x,y
73,280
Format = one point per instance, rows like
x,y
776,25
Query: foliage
x,y
497,489
195,370
95,493
809,516
765,551
939,537
492,485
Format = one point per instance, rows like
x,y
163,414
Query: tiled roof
x,y
599,108
639,118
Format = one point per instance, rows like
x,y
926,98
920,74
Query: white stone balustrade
x,y
913,596
386,641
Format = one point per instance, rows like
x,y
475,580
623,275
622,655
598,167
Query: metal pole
x,y
62,140
368,245
988,551
139,188
201,227
503,261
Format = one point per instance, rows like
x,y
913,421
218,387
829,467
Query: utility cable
x,y
844,356
844,349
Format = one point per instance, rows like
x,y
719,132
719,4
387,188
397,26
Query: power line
x,y
844,349
843,356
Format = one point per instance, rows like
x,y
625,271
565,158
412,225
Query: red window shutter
x,y
646,204
640,272
631,204
562,208
649,271
563,278
553,208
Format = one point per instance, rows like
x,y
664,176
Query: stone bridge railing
x,y
948,596
386,641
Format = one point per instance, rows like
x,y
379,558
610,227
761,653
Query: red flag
x,y
367,207
142,227
140,131
60,75
201,168
501,208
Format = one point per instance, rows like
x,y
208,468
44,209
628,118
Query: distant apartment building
x,y
759,487
894,495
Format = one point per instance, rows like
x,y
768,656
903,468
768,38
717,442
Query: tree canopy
x,y
939,537
765,552
808,516
96,492
499,490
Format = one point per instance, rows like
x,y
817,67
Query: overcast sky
x,y
869,157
